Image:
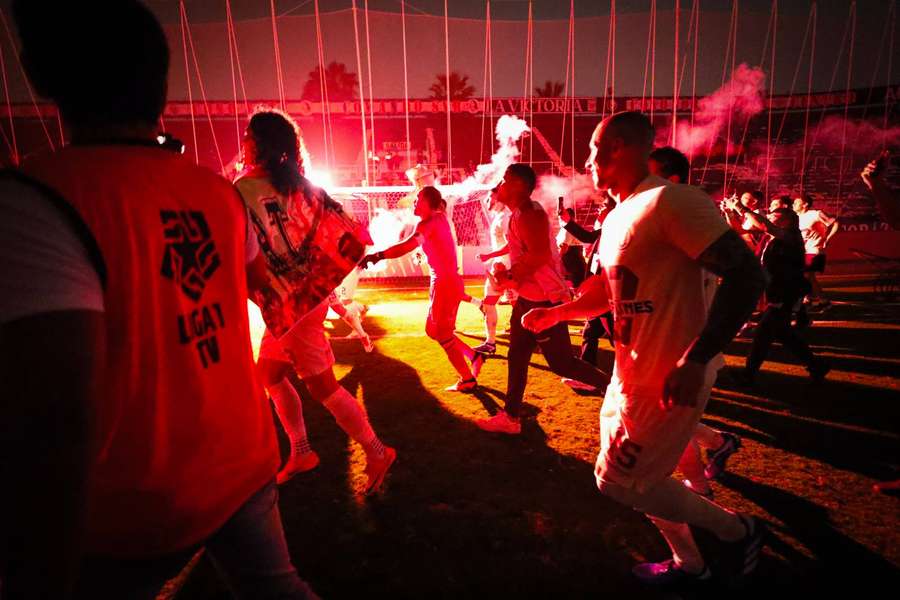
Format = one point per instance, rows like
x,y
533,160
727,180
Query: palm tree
x,y
459,87
550,89
340,84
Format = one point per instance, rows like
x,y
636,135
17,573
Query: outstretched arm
x,y
592,301
395,251
489,255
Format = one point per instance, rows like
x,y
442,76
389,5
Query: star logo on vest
x,y
190,256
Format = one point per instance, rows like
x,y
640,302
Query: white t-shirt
x,y
659,293
44,265
814,225
499,227
437,241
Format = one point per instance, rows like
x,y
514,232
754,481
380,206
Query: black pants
x,y
573,264
775,324
556,348
594,329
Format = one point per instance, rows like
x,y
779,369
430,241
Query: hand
x,y
371,259
683,384
539,319
566,215
483,257
870,174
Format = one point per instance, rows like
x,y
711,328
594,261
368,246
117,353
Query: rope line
x,y
362,98
187,75
447,70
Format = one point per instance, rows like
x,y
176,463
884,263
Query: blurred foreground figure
x,y
134,432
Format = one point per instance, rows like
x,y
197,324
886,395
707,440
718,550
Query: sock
x,y
681,542
490,323
352,418
290,412
691,466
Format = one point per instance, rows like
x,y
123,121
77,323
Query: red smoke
x,y
741,97
861,137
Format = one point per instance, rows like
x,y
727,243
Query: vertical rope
x,y
812,57
572,89
846,106
14,148
447,70
327,123
362,98
734,17
527,52
212,129
237,124
371,93
484,85
562,136
675,73
771,92
187,75
12,44
694,82
809,23
728,50
237,60
531,81
887,106
647,56
406,80
490,45
653,60
279,75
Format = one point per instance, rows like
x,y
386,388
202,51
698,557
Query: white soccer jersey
x,y
659,293
814,225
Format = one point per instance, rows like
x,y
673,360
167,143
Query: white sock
x,y
290,413
490,323
351,417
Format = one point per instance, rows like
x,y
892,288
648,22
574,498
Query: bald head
x,y
620,149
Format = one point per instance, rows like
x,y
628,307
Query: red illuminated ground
x,y
469,514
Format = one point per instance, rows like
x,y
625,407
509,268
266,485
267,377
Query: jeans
x,y
775,324
556,348
249,550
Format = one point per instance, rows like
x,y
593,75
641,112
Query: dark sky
x,y
212,10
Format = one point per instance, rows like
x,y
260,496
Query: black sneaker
x,y
486,348
747,550
668,574
716,460
818,370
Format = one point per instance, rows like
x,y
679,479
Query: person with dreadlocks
x,y
275,191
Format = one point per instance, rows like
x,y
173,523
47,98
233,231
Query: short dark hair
x,y
808,199
632,127
100,62
433,196
672,162
523,173
788,214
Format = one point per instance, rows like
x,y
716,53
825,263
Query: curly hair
x,y
278,148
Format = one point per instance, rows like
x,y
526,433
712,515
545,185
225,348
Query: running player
x,y
434,235
536,274
656,244
270,189
817,228
495,258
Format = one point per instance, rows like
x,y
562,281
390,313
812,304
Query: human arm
x,y
581,234
888,202
489,255
763,224
693,225
592,300
832,229
396,251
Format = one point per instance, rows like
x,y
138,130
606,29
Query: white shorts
x,y
489,288
640,443
305,345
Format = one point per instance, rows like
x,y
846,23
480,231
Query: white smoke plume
x,y
741,98
509,130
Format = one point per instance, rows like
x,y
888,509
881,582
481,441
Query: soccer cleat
x,y
463,385
377,469
477,362
299,463
818,370
708,494
578,385
716,460
746,556
500,423
668,573
367,343
488,348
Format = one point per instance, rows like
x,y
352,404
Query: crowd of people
x,y
126,270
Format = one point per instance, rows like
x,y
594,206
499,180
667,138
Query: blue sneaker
x,y
668,574
717,460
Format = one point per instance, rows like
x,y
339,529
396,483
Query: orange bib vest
x,y
184,432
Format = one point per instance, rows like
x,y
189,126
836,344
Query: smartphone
x,y
559,205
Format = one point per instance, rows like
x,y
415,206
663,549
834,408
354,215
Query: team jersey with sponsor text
x,y
659,294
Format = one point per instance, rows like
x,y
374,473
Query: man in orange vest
x,y
134,432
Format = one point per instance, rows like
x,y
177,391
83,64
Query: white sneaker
x,y
578,385
500,423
